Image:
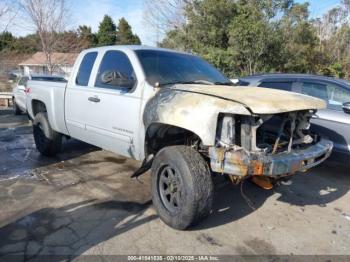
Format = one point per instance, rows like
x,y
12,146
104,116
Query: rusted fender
x,y
192,111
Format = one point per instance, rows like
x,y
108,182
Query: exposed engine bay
x,y
266,145
266,133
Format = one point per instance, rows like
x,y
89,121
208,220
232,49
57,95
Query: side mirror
x,y
116,78
346,107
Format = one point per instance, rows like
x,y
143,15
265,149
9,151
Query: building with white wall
x,y
37,64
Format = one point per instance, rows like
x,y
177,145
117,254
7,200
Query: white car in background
x,y
20,90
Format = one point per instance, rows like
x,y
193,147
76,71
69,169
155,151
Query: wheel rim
x,y
170,189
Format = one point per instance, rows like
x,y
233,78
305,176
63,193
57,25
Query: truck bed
x,y
52,95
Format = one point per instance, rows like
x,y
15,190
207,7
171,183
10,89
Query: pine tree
x,y
106,34
86,37
6,40
125,35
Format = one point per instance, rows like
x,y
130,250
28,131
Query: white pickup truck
x,y
182,118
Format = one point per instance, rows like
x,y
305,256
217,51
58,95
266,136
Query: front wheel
x,y
182,188
47,141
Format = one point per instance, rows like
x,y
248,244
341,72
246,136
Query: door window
x,y
333,94
315,89
115,71
337,96
85,69
286,86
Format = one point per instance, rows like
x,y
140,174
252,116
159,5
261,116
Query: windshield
x,y
165,67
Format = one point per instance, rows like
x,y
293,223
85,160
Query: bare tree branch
x,y
164,15
8,12
49,18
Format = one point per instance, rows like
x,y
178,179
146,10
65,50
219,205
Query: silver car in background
x,y
333,122
19,91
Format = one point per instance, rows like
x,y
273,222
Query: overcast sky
x,y
91,12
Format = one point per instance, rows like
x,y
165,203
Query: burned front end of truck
x,y
267,147
242,132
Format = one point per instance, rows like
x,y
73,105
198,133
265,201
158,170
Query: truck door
x,y
112,114
76,98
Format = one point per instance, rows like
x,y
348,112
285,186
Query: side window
x,y
287,86
115,71
315,89
333,94
337,96
85,69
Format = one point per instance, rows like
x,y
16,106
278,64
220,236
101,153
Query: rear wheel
x,y
47,141
16,109
182,188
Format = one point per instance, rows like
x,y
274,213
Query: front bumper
x,y
242,163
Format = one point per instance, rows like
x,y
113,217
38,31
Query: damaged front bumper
x,y
241,163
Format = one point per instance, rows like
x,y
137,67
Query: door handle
x,y
94,99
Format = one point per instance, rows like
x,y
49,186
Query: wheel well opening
x,y
159,136
38,107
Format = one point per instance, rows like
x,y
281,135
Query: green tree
x,y
28,44
208,23
106,34
249,35
67,42
86,37
125,35
206,32
300,40
7,41
237,36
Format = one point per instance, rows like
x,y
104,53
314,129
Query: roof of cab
x,y
131,47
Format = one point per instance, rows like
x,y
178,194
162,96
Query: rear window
x,y
85,69
286,86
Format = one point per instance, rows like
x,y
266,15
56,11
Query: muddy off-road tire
x,y
47,141
16,109
182,187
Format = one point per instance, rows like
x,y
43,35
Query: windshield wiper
x,y
203,82
224,83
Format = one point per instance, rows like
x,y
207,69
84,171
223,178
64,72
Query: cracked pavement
x,y
83,202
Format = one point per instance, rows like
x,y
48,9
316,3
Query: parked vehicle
x,y
332,122
19,91
182,118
